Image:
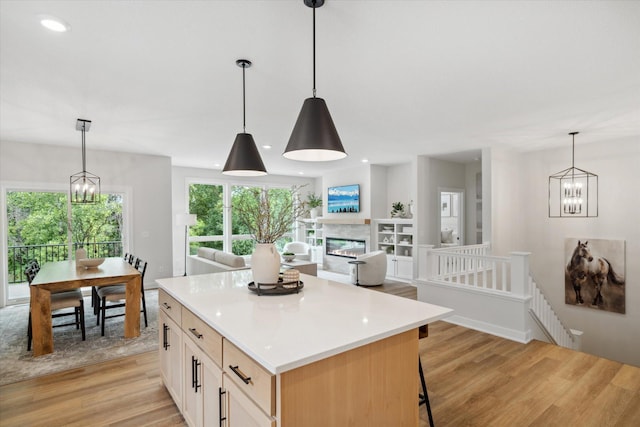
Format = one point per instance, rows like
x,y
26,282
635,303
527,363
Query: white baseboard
x,y
510,334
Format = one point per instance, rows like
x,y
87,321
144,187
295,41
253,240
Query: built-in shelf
x,y
347,221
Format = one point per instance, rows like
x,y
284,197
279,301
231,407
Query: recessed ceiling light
x,y
266,147
54,24
216,165
365,160
301,173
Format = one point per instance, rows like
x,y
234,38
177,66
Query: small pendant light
x,y
84,187
314,137
244,158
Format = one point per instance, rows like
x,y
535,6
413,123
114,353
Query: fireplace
x,y
347,248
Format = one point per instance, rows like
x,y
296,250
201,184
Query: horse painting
x,y
584,269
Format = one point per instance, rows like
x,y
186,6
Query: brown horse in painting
x,y
583,266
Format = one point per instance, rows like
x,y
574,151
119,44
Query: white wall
x,y
182,176
616,162
146,178
359,175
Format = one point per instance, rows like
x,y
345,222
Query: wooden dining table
x,y
64,275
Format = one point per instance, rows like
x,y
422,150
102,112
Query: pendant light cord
x,y
243,101
314,49
84,157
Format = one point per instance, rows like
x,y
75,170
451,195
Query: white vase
x,y
265,263
313,212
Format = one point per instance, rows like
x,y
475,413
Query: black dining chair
x,y
59,301
116,294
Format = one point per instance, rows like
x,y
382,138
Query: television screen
x,y
345,198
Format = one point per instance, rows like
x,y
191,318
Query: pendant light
x,y
573,192
244,158
84,187
314,137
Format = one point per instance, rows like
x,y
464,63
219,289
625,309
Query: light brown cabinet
x,y
191,358
170,353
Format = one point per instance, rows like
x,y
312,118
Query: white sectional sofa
x,y
209,260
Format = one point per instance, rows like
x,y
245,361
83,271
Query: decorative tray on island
x,y
280,288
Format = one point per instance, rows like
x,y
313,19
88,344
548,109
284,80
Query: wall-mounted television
x,y
345,198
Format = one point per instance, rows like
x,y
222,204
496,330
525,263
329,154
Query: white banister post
x,y
423,261
520,273
577,339
430,261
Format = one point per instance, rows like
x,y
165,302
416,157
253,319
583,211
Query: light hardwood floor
x,y
474,379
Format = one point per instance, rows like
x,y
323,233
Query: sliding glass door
x,y
42,225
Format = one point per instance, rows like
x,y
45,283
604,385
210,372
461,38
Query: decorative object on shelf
x,y
244,158
409,212
314,137
288,256
573,192
186,220
84,187
397,210
267,222
314,203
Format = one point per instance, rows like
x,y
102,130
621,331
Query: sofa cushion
x,y
207,253
229,259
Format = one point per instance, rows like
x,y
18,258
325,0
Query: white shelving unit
x,y
396,237
314,237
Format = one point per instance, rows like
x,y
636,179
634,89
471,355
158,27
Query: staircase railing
x,y
473,266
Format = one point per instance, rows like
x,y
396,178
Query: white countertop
x,y
283,332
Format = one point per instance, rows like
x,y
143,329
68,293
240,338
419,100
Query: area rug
x,y
70,352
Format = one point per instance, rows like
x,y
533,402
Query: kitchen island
x,y
332,354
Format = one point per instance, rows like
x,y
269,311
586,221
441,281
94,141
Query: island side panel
x,y
376,384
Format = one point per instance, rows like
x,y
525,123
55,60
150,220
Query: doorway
x,y
451,218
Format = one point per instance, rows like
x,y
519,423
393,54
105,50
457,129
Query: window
x,y
206,201
217,227
43,225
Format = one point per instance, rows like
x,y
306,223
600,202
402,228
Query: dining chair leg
x,y
29,333
103,310
84,334
144,310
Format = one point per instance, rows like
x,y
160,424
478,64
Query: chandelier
x,y
84,186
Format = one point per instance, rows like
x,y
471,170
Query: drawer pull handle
x,y
195,332
223,417
242,376
167,306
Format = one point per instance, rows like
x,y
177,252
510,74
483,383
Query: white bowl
x,y
288,258
89,262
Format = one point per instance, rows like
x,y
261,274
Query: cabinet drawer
x,y
170,306
251,378
202,334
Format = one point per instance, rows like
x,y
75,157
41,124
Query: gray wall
x,y
147,180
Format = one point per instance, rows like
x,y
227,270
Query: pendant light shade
x,y
244,158
314,137
573,192
84,187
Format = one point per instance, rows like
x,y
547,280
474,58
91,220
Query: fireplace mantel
x,y
347,221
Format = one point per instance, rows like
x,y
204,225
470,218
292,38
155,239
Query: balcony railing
x,y
18,256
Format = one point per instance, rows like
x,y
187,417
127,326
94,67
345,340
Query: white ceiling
x,y
401,78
